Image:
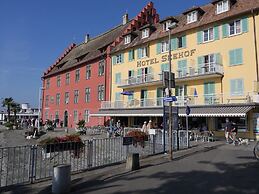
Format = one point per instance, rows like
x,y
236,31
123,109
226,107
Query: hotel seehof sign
x,y
165,58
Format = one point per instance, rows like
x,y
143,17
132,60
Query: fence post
x,y
32,168
90,154
154,144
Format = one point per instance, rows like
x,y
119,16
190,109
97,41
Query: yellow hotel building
x,y
214,58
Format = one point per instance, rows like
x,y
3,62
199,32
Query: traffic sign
x,y
170,99
188,110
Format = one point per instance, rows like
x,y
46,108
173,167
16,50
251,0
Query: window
x,y
56,115
66,97
164,47
76,95
166,25
236,57
145,33
87,116
118,59
142,52
179,42
117,78
192,17
208,35
101,92
58,81
182,68
77,75
131,55
75,116
222,6
209,93
47,83
46,115
101,68
235,28
87,94
47,101
67,78
236,87
127,39
58,99
88,71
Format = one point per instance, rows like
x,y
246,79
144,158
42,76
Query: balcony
x,y
210,99
207,70
136,81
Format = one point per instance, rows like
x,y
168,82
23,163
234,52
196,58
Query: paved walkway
x,y
208,168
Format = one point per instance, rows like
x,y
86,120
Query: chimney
x,y
87,38
125,19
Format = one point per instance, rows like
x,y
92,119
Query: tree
x,y
7,103
15,107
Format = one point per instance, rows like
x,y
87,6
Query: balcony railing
x,y
141,79
205,69
209,99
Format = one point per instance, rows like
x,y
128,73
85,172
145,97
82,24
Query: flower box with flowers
x,y
139,137
58,144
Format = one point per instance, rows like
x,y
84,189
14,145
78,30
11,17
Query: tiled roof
x,y
94,48
209,17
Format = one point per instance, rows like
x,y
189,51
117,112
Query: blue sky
x,y
33,34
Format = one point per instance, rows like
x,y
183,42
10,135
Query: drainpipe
x,y
255,45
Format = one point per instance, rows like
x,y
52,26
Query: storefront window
x,y
241,123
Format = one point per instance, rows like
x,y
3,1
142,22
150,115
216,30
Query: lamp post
x,y
170,94
39,106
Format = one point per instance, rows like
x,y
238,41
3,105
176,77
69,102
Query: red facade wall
x,y
92,83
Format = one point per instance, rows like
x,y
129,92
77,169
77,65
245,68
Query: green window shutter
x,y
158,48
139,53
139,72
149,70
240,86
165,67
185,90
132,73
206,88
145,94
122,58
225,28
131,97
200,63
244,25
199,37
232,57
211,88
117,96
218,58
114,60
130,55
216,33
176,90
239,56
174,45
117,78
159,92
184,41
232,87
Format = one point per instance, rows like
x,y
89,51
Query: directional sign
x,y
170,99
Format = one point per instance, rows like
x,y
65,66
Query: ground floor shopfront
x,y
245,116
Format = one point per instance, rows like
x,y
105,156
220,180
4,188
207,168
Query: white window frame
x,y
127,39
76,96
164,46
166,25
87,116
88,71
118,59
235,27
222,6
192,17
145,33
209,36
75,116
66,97
144,52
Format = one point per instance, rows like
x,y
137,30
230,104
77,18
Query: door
x,y
65,119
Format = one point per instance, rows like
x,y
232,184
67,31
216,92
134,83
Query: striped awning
x,y
196,111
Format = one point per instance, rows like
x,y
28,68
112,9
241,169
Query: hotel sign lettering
x,y
165,58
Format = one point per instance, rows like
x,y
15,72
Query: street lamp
x,y
39,106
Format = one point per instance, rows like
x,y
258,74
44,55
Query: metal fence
x,y
25,164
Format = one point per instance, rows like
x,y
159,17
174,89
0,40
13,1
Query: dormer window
x,y
166,25
192,17
222,6
145,33
127,39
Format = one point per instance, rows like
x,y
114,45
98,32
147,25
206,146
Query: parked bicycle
x,y
256,150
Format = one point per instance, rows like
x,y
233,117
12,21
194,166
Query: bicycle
x,y
256,150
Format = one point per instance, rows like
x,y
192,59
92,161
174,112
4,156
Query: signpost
x,y
127,141
170,99
187,111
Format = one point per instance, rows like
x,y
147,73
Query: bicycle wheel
x,y
256,151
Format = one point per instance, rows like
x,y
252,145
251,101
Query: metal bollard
x,y
61,179
132,162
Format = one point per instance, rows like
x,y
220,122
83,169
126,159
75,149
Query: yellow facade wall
x,y
246,71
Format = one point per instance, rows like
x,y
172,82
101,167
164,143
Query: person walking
x,y
144,127
228,130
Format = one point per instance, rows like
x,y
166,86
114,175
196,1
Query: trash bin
x,y
61,179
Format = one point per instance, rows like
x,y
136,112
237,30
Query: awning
x,y
196,111
217,111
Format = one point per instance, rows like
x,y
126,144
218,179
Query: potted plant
x,y
139,137
67,143
9,125
81,127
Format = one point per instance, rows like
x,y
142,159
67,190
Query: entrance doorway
x,y
65,119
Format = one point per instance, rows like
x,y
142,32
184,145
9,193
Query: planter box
x,y
60,147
